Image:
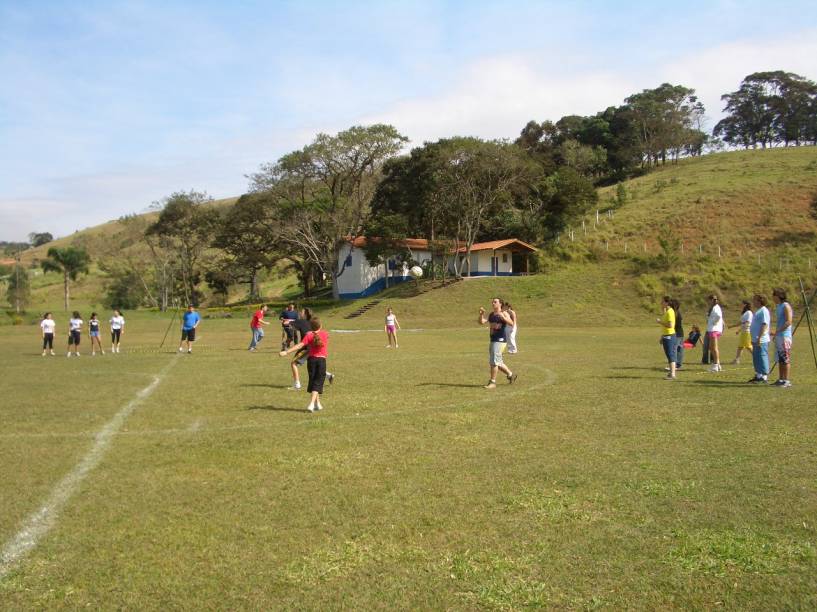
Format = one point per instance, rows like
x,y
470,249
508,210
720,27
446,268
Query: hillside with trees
x,y
640,184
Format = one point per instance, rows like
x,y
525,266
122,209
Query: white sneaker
x,y
68,355
103,352
53,353
310,408
189,350
318,407
295,387
396,346
388,346
181,350
715,368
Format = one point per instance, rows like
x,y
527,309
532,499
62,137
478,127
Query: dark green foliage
x,y
124,292
70,262
18,291
37,239
770,108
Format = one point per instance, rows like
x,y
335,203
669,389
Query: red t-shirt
x,y
256,319
315,351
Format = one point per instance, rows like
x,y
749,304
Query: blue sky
x,y
106,107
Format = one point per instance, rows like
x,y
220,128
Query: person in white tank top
x,y
390,327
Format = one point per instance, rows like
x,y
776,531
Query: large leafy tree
x,y
70,262
322,193
39,238
18,291
249,239
186,227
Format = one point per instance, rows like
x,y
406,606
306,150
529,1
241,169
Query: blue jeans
x,y
679,351
257,336
760,357
668,342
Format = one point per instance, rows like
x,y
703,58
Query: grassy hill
x,y
741,220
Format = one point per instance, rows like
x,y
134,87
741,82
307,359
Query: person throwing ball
x,y
497,321
190,321
317,341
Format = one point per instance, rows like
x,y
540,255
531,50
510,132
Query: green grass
x,y
591,483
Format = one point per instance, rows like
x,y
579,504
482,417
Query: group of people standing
x,y
75,323
754,332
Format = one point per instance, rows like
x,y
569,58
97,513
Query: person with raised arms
x,y
190,322
498,323
317,341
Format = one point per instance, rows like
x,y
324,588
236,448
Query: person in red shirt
x,y
257,326
317,341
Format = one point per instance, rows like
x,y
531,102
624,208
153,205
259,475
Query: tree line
x,y
300,211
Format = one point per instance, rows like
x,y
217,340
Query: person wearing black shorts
x,y
317,341
190,321
288,317
301,327
74,334
47,325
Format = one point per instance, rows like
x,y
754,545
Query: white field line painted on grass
x,y
40,522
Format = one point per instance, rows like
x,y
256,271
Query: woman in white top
x,y
744,334
714,330
48,325
391,326
117,328
74,333
512,348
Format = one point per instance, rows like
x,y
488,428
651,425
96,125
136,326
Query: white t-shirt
x,y
391,320
715,321
75,324
746,320
117,322
48,325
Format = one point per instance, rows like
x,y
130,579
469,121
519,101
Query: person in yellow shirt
x,y
667,341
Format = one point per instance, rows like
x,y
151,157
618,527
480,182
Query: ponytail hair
x,y
315,324
307,313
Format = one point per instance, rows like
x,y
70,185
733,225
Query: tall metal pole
x,y
808,320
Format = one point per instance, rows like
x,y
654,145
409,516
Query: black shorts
x,y
48,341
290,332
115,335
74,337
189,334
316,366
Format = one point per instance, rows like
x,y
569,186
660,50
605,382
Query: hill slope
x,y
741,218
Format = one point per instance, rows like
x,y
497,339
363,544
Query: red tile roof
x,y
510,243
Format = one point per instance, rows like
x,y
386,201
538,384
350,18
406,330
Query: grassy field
x,y
591,483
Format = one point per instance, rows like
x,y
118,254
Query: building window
x,y
504,258
348,261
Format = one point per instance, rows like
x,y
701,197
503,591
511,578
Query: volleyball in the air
x,y
416,271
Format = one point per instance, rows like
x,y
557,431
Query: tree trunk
x,y
65,289
254,283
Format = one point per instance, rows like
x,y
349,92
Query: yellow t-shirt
x,y
668,321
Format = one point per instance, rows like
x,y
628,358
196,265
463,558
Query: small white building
x,y
360,279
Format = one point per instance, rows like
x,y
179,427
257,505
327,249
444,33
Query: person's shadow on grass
x,y
276,408
266,385
442,384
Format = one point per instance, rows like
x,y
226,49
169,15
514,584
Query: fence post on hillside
x,y
682,247
606,245
700,248
625,247
645,246
758,259
719,250
584,227
597,216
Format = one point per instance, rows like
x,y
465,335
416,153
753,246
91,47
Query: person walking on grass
x,y
714,330
759,330
190,322
74,333
317,342
257,326
117,329
93,334
498,323
288,315
303,325
679,334
391,326
48,325
512,348
667,339
744,333
782,334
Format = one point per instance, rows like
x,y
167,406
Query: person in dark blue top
x,y
498,322
190,321
288,316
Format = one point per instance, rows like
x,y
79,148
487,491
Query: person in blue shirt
x,y
190,321
288,316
